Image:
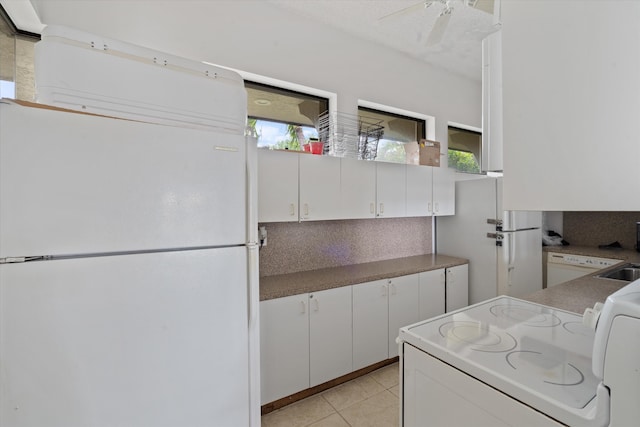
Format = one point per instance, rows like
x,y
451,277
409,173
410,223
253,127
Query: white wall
x,y
571,87
258,37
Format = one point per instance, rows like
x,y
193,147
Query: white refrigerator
x,y
128,273
504,248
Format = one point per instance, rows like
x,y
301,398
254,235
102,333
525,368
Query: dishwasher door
x,y
560,273
564,267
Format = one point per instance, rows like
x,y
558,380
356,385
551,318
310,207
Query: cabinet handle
x,y
317,304
372,207
381,208
393,289
436,206
303,307
429,207
306,210
384,290
292,209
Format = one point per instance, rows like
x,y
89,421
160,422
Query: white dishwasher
x,y
564,267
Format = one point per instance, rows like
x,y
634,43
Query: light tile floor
x,y
368,401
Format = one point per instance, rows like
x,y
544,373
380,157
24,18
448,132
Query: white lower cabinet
x,y
284,346
457,283
330,335
305,340
404,306
432,293
309,339
370,323
380,309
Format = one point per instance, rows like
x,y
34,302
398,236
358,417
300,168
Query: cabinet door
x,y
357,189
444,191
319,187
330,334
404,308
391,189
277,186
432,293
419,191
457,294
370,323
284,347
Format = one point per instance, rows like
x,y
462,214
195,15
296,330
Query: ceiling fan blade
x,y
407,10
439,28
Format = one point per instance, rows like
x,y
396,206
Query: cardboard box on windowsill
x,y
429,153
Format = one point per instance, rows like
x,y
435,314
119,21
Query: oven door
x,y
437,394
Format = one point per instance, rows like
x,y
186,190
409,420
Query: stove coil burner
x,y
478,336
550,370
529,316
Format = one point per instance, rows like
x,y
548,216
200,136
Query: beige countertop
x,y
284,285
578,294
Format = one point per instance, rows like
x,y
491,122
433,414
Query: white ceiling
x,y
459,51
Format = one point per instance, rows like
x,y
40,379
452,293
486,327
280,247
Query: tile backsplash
x,y
600,228
293,247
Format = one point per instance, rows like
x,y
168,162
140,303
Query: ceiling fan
x,y
440,26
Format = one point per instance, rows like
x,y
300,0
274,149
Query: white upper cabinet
x,y
319,187
419,190
357,189
305,187
391,190
277,186
571,103
444,191
492,102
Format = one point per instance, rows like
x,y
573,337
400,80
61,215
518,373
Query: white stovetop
x,y
524,349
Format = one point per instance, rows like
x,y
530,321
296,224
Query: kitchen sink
x,y
627,272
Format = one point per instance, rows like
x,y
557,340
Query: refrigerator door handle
x,y
253,293
512,250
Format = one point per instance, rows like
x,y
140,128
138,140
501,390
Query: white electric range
x,y
506,361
